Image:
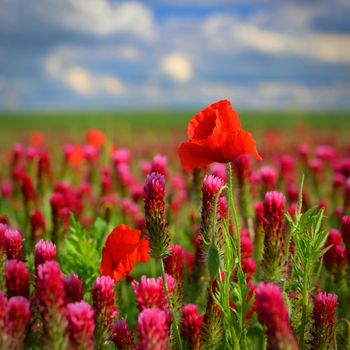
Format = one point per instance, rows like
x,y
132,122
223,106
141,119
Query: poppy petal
x,y
193,155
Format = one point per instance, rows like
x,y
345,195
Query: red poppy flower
x,y
123,248
215,135
96,138
36,139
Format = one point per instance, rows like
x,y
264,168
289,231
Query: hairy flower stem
x,y
233,210
304,311
170,304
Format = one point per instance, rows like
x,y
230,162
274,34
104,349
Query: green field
x,y
158,126
179,118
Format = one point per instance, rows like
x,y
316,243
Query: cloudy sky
x,y
161,53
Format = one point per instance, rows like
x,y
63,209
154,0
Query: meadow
x,y
118,230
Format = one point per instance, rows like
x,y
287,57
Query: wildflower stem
x,y
304,310
170,304
233,210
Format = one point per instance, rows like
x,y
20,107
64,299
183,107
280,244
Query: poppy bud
x,y
191,327
73,288
274,203
81,325
122,337
273,314
154,202
324,320
153,330
13,244
44,251
17,278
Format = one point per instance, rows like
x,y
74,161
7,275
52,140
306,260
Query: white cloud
x,y
177,67
229,34
89,17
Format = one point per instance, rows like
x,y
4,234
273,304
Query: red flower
x,y
215,135
123,248
95,137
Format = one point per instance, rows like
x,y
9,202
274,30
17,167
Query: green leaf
x,y
213,261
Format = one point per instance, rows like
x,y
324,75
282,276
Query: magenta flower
x,y
191,327
49,287
150,292
73,288
37,225
242,168
4,321
81,325
44,251
174,264
103,301
154,202
19,316
17,278
13,244
153,330
324,320
335,258
273,242
268,178
159,165
121,336
273,314
210,188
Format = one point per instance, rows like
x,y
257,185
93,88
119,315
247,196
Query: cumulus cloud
x,y
83,17
221,31
177,67
108,53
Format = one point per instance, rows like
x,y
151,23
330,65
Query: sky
x,y
105,54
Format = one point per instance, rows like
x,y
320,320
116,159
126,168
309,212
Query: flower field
x,y
135,234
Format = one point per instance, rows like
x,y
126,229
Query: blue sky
x,y
165,53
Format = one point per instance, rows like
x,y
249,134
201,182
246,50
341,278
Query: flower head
x,y
215,135
13,243
73,288
37,223
95,138
19,316
324,319
17,278
210,188
150,292
159,165
122,250
174,264
122,337
154,202
153,329
191,326
273,314
274,203
103,300
44,251
49,288
81,325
